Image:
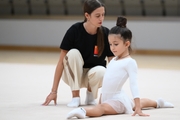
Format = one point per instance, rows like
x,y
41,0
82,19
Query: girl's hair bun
x,y
121,22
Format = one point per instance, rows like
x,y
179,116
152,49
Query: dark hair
x,y
89,7
121,29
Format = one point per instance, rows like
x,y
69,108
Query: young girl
x,y
113,99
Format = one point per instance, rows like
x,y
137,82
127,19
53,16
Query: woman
x,y
84,49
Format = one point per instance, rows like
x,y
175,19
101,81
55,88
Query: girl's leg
x,y
99,110
95,111
160,103
145,103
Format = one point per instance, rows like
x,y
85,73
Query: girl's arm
x,y
132,71
137,108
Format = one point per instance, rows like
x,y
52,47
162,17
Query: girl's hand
x,y
50,97
139,112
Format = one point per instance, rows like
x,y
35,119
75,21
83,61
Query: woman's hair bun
x,y
121,22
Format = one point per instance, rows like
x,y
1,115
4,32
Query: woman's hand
x,y
50,97
139,112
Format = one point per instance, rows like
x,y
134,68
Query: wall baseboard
x,y
30,48
158,52
57,49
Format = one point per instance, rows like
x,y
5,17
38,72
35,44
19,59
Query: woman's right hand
x,y
49,98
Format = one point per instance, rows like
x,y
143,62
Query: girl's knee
x,y
107,109
102,107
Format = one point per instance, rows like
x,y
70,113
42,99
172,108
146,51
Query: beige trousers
x,y
78,77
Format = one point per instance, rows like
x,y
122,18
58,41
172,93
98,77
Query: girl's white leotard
x,y
117,73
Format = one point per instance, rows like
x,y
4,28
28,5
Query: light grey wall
x,y
147,35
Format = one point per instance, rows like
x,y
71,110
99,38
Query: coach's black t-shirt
x,y
77,37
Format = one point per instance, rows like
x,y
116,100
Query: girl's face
x,y
96,18
117,45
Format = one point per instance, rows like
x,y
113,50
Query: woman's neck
x,y
91,29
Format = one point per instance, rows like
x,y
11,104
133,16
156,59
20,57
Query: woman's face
x,y
96,18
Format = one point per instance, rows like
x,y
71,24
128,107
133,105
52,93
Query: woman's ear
x,y
86,15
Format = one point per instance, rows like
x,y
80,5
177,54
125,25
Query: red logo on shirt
x,y
95,50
